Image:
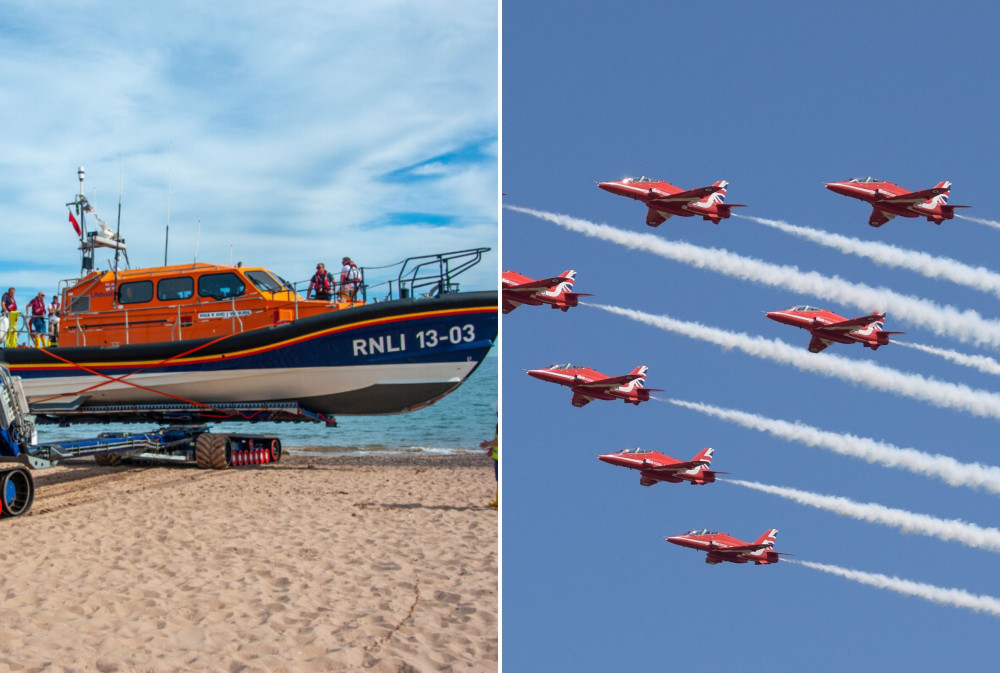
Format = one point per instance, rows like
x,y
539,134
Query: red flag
x,y
76,225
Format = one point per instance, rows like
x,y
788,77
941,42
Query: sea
x,y
453,425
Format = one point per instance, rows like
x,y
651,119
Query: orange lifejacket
x,y
324,282
37,307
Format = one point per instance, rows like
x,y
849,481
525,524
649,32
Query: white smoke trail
x,y
957,598
939,393
979,220
937,466
966,325
981,362
949,530
978,278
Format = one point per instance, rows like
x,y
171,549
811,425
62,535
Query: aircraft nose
x,y
840,188
773,315
675,539
617,188
537,373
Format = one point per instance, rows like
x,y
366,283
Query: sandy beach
x,y
310,564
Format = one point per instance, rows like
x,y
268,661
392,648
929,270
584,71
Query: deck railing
x,y
419,276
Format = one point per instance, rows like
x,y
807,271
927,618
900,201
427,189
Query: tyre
x,y
212,451
17,492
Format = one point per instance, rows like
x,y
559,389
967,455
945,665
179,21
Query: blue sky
x,y
294,132
777,98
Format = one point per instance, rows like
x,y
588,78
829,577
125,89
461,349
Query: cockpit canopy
x,y
641,178
703,531
866,180
804,308
637,449
565,366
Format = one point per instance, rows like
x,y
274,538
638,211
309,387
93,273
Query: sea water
x,y
453,425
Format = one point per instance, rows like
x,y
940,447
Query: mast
x,y
91,240
80,205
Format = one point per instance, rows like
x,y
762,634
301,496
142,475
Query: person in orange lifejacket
x,y
54,310
350,279
322,281
36,326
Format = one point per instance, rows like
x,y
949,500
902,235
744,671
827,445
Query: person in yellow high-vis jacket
x,y
492,447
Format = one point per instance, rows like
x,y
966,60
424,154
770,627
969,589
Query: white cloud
x,y
274,125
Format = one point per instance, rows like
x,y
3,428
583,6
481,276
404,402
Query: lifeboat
x,y
204,339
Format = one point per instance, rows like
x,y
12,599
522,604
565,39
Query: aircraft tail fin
x,y
639,371
704,457
767,539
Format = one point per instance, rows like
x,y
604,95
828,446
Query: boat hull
x,y
382,358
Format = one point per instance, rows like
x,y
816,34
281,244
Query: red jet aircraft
x,y
890,200
588,384
722,547
665,200
654,466
827,327
556,292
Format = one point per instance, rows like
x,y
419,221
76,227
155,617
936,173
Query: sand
x,y
310,564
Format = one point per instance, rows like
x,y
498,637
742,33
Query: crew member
x,y
36,325
54,309
350,279
7,306
492,447
322,281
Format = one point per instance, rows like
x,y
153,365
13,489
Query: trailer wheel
x,y
17,492
107,459
275,450
212,451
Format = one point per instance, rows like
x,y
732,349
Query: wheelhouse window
x,y
174,289
221,286
264,281
137,292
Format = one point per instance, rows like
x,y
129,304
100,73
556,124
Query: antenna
x,y
121,182
197,239
166,238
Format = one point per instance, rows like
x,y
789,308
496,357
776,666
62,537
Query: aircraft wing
x,y
655,218
540,284
672,467
666,469
849,325
818,344
740,549
915,197
603,384
580,400
689,196
879,217
509,306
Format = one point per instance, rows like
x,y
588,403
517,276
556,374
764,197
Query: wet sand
x,y
310,564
